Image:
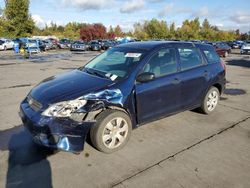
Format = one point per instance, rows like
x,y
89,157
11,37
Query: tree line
x,y
15,21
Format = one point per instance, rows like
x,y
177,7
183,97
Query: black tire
x,y
97,131
204,107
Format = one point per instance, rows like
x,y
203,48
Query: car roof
x,y
149,45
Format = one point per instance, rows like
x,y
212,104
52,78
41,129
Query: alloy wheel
x,y
115,133
212,100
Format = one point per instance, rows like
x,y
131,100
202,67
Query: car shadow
x,y
241,63
27,163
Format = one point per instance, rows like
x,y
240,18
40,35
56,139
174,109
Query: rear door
x,y
194,75
160,96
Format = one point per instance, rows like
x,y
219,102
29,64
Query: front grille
x,y
34,104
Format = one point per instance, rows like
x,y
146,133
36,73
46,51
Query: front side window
x,y
162,63
189,58
116,62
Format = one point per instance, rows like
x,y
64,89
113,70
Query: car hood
x,y
67,86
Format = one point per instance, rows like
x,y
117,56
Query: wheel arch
x,y
92,115
218,86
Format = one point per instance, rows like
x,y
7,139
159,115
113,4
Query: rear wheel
x,y
210,101
111,131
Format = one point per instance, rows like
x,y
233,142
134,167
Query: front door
x,y
160,96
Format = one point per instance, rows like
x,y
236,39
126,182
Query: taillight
x,y
223,64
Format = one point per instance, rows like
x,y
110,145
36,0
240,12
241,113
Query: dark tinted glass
x,y
212,56
189,58
162,63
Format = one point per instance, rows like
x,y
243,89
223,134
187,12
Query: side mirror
x,y
145,77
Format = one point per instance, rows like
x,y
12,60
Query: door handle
x,y
176,81
205,73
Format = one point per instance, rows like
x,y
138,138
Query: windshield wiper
x,y
93,72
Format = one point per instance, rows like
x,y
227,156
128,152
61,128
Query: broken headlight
x,y
65,108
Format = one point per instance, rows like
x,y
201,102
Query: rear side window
x,y
211,55
189,58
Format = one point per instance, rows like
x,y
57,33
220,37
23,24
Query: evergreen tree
x,y
118,31
19,22
172,31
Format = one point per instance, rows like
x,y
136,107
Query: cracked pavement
x,y
185,150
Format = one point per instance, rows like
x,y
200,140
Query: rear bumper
x,y
63,134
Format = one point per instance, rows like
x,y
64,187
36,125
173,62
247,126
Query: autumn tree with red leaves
x,y
93,32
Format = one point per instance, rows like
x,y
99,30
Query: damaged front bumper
x,y
59,133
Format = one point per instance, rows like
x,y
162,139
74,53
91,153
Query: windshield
x,y
115,63
32,41
79,42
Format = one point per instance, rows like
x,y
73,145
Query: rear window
x,y
211,55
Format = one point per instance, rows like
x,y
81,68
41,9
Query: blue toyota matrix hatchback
x,y
121,89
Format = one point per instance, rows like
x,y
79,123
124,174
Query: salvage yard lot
x,y
185,150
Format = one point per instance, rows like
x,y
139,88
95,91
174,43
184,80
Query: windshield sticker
x,y
113,77
134,55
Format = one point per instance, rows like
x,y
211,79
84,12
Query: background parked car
x,y
239,43
6,44
32,46
20,43
245,48
29,45
54,42
95,46
64,43
87,44
78,46
222,49
232,44
42,45
106,44
49,45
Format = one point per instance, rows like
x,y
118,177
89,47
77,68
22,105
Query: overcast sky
x,y
226,14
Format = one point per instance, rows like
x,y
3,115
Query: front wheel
x,y
210,101
111,131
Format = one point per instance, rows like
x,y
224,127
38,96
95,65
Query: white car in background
x,y
6,44
245,48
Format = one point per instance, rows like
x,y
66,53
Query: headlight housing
x,y
65,108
